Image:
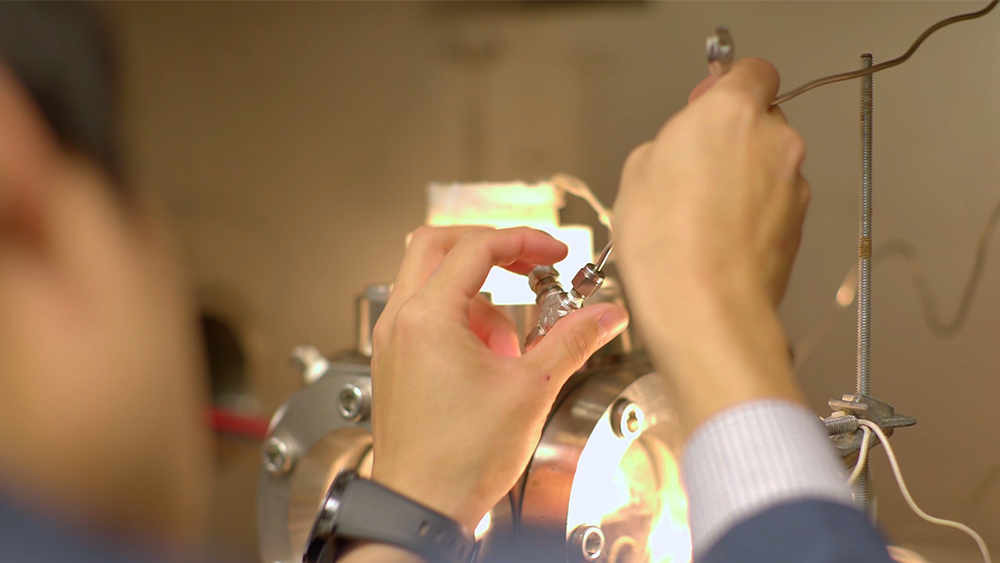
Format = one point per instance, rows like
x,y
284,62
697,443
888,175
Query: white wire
x,y
894,463
862,456
575,186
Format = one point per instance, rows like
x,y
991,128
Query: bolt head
x,y
627,419
587,543
587,281
352,402
278,456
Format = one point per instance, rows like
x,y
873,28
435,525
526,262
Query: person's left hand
x,y
458,410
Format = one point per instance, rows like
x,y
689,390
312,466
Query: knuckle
x,y
805,193
411,316
380,334
421,236
764,66
635,161
796,146
736,106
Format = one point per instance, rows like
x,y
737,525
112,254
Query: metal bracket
x,y
842,424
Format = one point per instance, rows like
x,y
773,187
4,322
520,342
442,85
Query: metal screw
x,y
626,419
278,456
353,403
840,423
310,362
587,542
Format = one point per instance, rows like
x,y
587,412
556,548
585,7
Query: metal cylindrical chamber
x,y
317,442
605,462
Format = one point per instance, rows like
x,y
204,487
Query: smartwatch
x,y
359,509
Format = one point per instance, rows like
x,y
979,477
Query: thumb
x,y
574,339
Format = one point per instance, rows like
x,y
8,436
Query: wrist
x,y
718,347
439,496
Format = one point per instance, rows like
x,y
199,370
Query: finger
x,y
425,249
573,340
493,328
27,151
704,86
804,191
463,271
755,78
778,114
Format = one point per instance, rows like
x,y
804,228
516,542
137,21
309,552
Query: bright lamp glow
x,y
505,205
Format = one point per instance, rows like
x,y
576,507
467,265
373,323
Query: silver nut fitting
x,y
587,281
543,278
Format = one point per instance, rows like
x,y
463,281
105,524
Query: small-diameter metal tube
x,y
863,492
602,260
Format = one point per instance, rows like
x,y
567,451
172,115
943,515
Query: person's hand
x,y
707,223
458,410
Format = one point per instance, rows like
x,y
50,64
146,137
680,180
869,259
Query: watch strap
x,y
359,509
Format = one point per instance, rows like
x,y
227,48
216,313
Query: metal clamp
x,y
842,424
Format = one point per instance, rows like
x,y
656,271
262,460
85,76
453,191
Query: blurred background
x,y
292,145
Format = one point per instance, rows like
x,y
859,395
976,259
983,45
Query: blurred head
x,y
101,387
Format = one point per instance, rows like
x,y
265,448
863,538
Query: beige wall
x,y
293,142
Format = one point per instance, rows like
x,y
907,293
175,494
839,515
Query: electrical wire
x,y
935,322
887,64
862,455
575,186
898,474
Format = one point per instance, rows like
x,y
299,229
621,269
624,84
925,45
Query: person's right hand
x,y
719,188
707,223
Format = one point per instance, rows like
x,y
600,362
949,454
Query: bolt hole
x,y
593,543
632,422
424,528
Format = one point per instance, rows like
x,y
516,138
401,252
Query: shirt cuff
x,y
754,456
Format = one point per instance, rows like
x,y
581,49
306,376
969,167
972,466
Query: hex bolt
x,y
586,543
353,403
279,457
310,363
626,419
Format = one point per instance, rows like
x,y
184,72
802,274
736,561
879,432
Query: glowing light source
x,y
505,205
484,525
631,487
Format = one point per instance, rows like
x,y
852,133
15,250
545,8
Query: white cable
x,y
862,456
894,463
575,186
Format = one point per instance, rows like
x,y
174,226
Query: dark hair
x,y
61,53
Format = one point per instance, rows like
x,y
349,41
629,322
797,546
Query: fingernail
x,y
612,322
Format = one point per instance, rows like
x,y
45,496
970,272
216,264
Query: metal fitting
x,y
353,402
586,543
542,280
853,406
720,50
310,363
587,281
278,455
840,423
626,419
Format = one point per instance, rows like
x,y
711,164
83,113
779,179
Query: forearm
x,y
717,348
